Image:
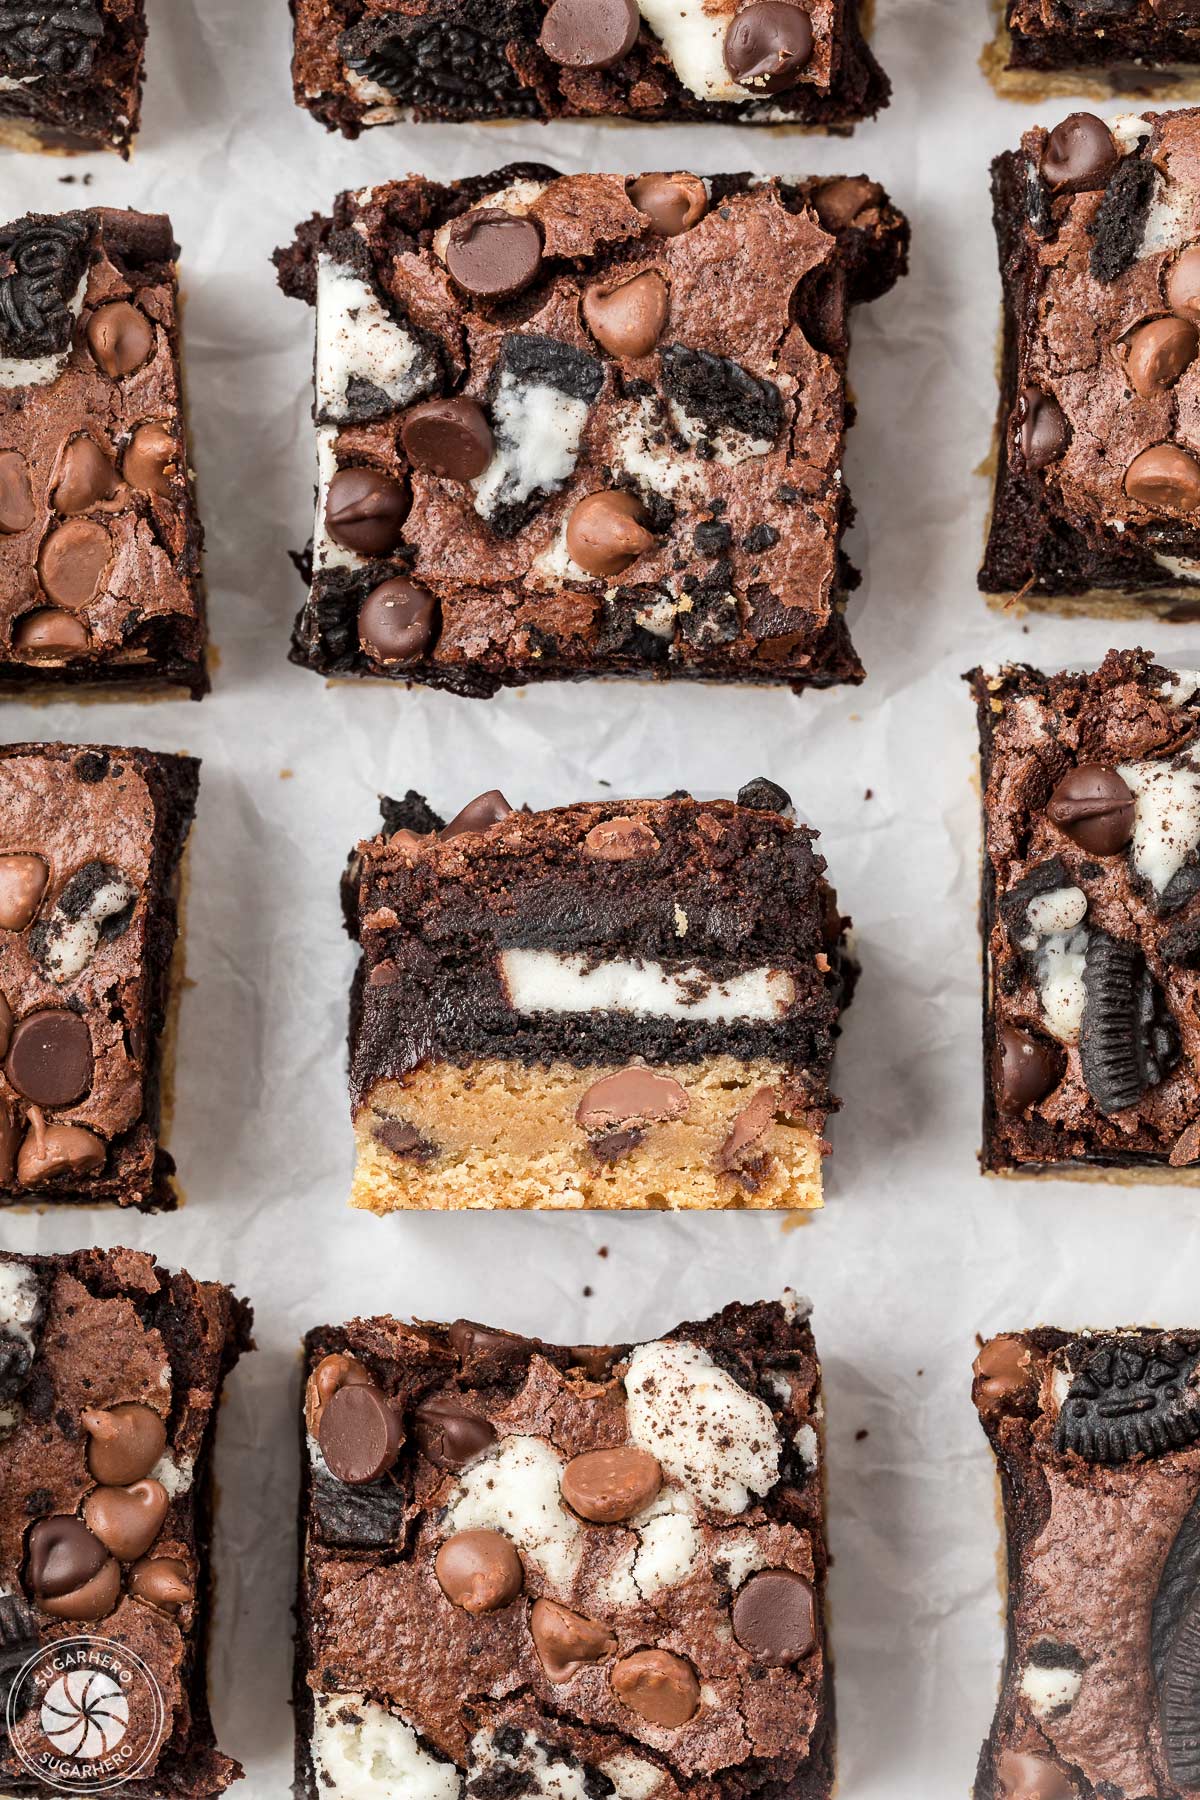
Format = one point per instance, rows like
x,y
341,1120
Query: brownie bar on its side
x,y
564,1571
1097,1438
91,839
626,1004
1098,481
110,1375
71,74
356,64
577,425
99,536
1091,919
1139,46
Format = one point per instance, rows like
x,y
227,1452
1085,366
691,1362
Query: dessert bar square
x,y
1098,478
624,1004
110,1376
358,63
1097,1439
583,425
99,535
1104,46
91,840
71,74
1091,919
564,1571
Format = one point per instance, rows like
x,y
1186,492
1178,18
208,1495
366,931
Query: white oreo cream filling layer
x,y
516,1489
1050,1690
40,371
546,1775
541,981
718,1441
1060,910
668,1542
19,1302
71,943
538,430
1166,823
361,1751
1181,690
327,554
693,37
357,339
1060,965
729,445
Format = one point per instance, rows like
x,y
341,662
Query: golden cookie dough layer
x,y
1161,81
506,1138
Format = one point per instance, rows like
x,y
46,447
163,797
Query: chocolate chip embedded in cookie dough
x,y
1027,1069
16,494
1079,155
630,1096
151,460
126,1519
672,203
620,840
775,1617
1183,284
73,562
479,1570
331,1373
589,34
449,1434
566,1640
396,622
86,477
1164,478
627,320
126,1442
1094,807
1008,1373
1042,428
50,1057
68,1572
50,1152
23,878
1025,1777
451,438
486,809
365,511
748,1126
1132,1397
360,1433
162,1581
607,1486
1157,353
493,254
120,337
768,45
657,1685
605,533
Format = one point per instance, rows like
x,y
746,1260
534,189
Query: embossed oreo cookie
x,y
1134,1396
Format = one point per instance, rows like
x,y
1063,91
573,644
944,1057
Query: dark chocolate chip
x,y
337,1370
493,254
69,1572
1042,428
775,1617
1026,1070
1095,809
472,1342
360,1434
589,34
478,814
1023,1776
397,622
450,1434
50,1057
365,511
1079,155
1128,1041
768,45
451,438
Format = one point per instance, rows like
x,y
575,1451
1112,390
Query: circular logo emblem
x,y
85,1715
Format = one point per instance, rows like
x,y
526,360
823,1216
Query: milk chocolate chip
x,y
1079,155
16,494
449,1434
151,460
479,1570
1007,1369
120,337
620,840
1183,284
589,34
1023,1777
493,254
49,633
775,1617
486,809
607,1486
126,1442
605,533
1095,809
566,1640
73,562
365,511
86,477
630,1096
9,1136
396,622
360,1433
451,438
1164,478
331,1373
748,1126
69,1572
1157,353
627,320
657,1685
1026,1070
162,1581
841,202
768,45
1043,430
126,1519
672,203
23,881
51,1151
50,1057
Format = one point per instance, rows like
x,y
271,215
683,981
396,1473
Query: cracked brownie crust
x,y
594,1572
626,1004
583,425
71,74
359,63
1096,1439
110,1374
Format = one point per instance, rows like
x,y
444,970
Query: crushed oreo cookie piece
x,y
721,394
95,907
443,63
1121,218
1129,1040
762,795
540,395
366,1517
58,38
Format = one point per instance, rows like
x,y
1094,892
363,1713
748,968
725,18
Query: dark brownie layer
x,y
1096,1438
1091,916
1099,452
110,1374
1104,35
91,839
626,460
71,73
99,536
359,64
698,1594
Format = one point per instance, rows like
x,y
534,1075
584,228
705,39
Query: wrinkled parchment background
x,y
915,1253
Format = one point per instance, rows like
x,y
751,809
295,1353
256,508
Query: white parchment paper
x,y
915,1253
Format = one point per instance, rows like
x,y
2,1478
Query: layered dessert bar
x,y
71,74
623,1004
99,535
1147,47
110,1375
585,425
1097,1439
91,840
1091,919
564,1571
362,62
1098,478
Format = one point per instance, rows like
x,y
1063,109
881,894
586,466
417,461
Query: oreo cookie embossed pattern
x,y
630,1004
71,74
618,1552
578,425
